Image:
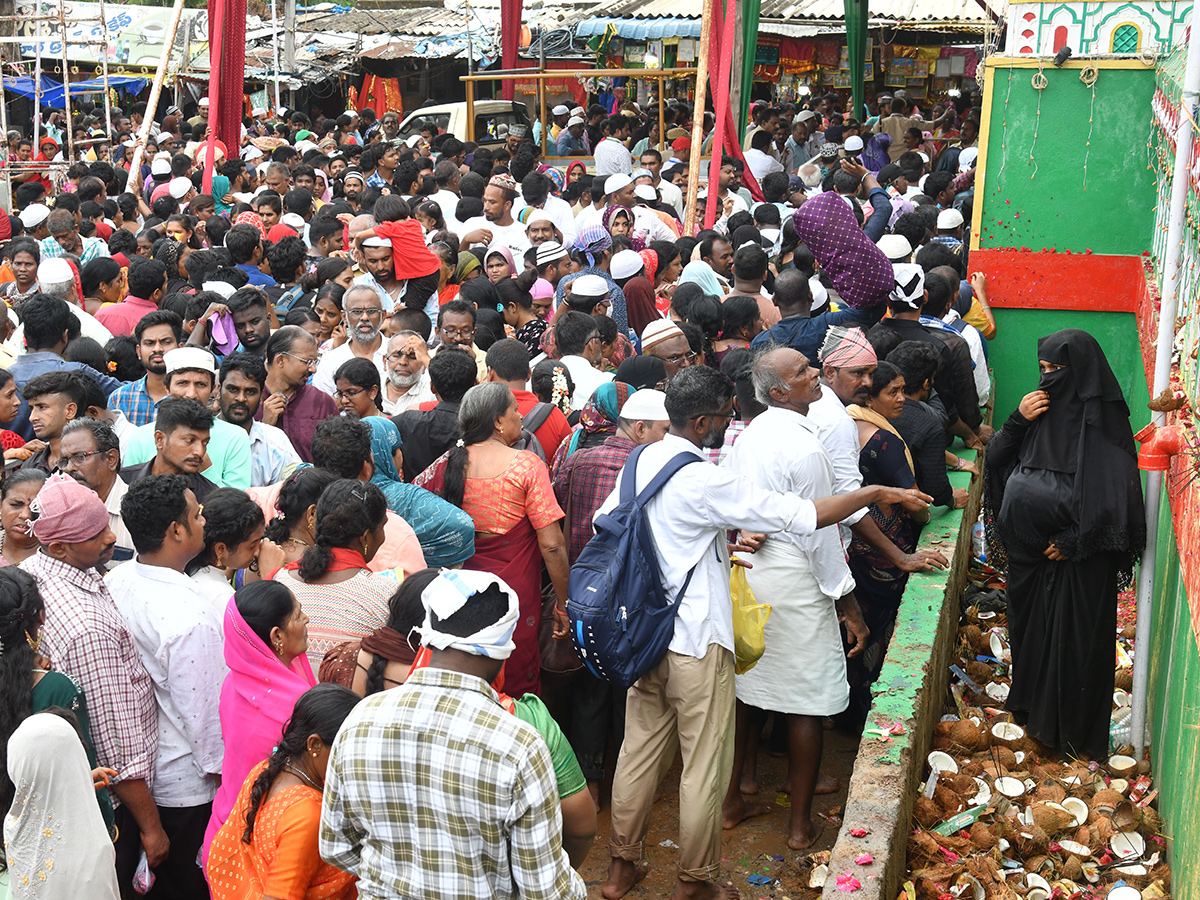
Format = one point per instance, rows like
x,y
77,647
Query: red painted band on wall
x,y
1027,279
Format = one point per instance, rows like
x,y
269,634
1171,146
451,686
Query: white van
x,y
451,118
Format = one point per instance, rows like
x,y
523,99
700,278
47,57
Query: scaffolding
x,y
41,38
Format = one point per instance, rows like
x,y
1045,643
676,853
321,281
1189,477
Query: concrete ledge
x,y
911,690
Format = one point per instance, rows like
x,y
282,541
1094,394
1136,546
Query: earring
x,y
33,645
314,754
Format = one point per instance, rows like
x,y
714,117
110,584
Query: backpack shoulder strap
x,y
536,417
629,475
677,462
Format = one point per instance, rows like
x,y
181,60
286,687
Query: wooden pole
x,y
662,115
571,73
542,90
66,77
160,75
104,70
693,183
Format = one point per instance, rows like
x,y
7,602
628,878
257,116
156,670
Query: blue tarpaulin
x,y
52,91
641,29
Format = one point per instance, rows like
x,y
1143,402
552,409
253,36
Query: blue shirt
x,y
135,401
569,145
30,365
806,335
257,278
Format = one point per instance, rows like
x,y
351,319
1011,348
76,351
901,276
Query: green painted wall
x,y
1174,713
1013,354
1115,214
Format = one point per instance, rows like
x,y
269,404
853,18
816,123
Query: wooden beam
x,y
693,184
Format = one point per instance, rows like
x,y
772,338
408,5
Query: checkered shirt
x,y
92,248
589,476
86,638
435,791
133,400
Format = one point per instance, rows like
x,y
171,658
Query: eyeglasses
x,y
348,395
399,355
77,459
594,337
308,363
364,312
680,359
467,333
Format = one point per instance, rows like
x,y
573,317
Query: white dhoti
x,y
803,670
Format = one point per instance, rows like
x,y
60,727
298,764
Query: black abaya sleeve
x,y
1000,461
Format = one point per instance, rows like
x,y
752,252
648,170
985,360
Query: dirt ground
x,y
757,847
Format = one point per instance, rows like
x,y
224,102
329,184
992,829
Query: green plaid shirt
x,y
434,790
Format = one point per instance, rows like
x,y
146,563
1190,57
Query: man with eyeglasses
x,y
664,339
456,328
90,452
407,384
292,404
362,311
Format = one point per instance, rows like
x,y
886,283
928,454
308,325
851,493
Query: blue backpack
x,y
621,618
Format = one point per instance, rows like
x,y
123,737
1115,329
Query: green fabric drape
x,y
856,42
749,36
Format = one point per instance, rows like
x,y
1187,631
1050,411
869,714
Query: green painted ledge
x,y
910,691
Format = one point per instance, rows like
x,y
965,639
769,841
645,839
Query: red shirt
x,y
552,431
121,318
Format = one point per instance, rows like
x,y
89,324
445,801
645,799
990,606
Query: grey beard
x,y
403,382
365,340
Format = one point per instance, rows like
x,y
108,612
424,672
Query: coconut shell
x,y
1032,840
921,845
1102,830
982,837
963,785
1073,869
1104,802
947,802
968,736
1049,791
973,635
1039,864
1126,817
970,767
1124,680
942,729
1051,819
981,673
925,811
1143,767
1162,874
1151,821
1083,835
999,890
942,742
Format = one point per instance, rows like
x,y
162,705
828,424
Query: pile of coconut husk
x,y
998,817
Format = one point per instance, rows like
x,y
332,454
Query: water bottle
x,y
978,547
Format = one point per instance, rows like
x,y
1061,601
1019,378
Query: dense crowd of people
x,y
333,421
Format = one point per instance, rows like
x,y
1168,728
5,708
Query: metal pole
x,y
1176,220
693,184
104,71
289,45
662,115
542,91
275,50
37,87
8,162
66,73
160,75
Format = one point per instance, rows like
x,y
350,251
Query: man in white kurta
x,y
805,579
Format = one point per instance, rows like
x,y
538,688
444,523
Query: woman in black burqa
x,y
1064,508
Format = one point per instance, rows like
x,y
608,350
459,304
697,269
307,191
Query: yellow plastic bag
x,y
749,618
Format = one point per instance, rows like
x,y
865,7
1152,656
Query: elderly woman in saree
x,y
1063,507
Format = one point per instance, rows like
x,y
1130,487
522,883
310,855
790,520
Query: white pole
x,y
275,50
104,70
160,75
1176,216
37,87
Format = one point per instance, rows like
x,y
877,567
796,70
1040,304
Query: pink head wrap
x,y
847,348
249,218
65,510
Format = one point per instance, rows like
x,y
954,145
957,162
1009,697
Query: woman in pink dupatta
x,y
266,643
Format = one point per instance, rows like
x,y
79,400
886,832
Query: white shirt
x,y
421,392
646,221
179,638
970,334
215,587
839,435
558,211
88,327
780,450
586,377
332,360
761,164
671,194
511,236
124,551
689,518
271,451
612,158
448,201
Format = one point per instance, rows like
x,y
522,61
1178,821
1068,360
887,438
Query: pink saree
x,y
256,701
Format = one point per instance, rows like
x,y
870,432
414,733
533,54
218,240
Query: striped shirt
x,y
345,611
435,791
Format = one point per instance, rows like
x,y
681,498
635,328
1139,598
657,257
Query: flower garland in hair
x,y
561,394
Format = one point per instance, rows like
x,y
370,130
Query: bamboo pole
x,y
66,77
104,73
693,183
160,75
662,115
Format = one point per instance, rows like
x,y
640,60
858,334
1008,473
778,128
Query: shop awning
x,y
52,91
641,29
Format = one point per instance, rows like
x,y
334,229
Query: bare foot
x,y
704,890
827,785
802,838
733,813
748,785
622,876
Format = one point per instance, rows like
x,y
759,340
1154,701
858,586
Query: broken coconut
x,y
1006,734
1122,766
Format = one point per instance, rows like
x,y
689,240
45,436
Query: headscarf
x,y
573,165
860,272
746,234
639,303
326,190
557,177
468,262
593,241
220,187
250,218
611,212
599,414
1085,432
866,414
508,258
847,348
875,153
702,274
449,593
650,258
257,699
642,372
54,834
